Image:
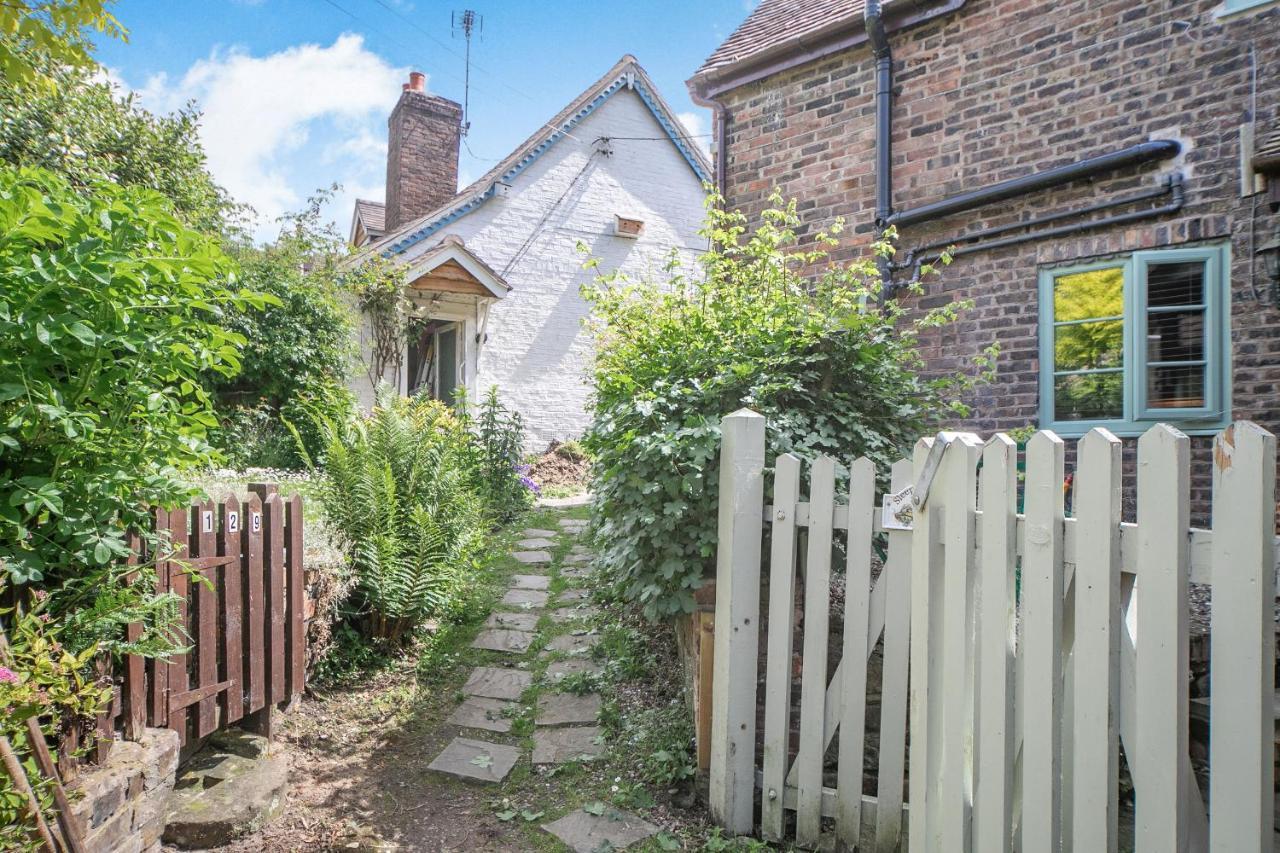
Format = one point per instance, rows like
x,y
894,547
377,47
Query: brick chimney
x,y
423,134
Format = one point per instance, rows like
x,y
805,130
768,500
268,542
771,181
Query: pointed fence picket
x,y
1022,654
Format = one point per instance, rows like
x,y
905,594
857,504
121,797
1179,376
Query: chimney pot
x,y
417,81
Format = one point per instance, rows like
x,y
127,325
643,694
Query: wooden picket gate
x,y
1029,675
237,571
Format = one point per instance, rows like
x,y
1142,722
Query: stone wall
x,y
999,89
121,805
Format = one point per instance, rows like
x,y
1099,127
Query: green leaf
x,y
595,807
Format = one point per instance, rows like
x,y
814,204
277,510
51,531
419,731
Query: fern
x,y
400,490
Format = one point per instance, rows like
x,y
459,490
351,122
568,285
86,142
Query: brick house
x,y
1101,168
494,270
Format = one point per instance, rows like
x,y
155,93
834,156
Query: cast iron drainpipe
x,y
1175,187
721,119
879,41
1143,152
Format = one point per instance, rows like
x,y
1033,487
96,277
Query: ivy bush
x,y
111,312
804,341
398,489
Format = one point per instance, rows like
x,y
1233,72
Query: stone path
x,y
538,607
565,724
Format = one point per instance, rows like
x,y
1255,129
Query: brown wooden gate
x,y
237,571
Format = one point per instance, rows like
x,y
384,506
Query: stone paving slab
x,y
557,670
559,746
578,560
497,682
524,597
568,614
532,557
573,643
539,533
563,709
503,640
513,621
537,543
613,830
572,523
576,573
581,550
574,595
530,581
481,712
476,759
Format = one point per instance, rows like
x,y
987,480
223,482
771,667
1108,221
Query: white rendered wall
x,y
537,349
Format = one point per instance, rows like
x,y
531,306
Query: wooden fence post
x,y
993,766
1042,582
1163,665
1096,657
1242,670
733,714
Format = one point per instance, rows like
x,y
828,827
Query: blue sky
x,y
296,93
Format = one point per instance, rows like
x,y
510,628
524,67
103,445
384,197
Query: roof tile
x,y
775,24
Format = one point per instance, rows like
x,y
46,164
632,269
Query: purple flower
x,y
8,675
530,485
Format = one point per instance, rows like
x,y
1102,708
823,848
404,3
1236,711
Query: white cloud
x,y
276,127
695,124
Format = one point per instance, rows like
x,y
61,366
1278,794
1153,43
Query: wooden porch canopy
x,y
452,269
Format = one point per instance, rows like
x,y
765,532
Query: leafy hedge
x,y
831,373
110,313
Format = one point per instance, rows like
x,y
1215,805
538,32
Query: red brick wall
x,y
1000,89
422,156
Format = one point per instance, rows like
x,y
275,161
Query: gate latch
x,y
898,509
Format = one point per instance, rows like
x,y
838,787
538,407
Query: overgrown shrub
x,y
298,354
501,477
398,492
831,372
42,679
111,312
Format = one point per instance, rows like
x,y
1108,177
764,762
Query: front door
x,y
433,361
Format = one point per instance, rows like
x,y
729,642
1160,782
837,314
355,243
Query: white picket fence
x,y
1017,705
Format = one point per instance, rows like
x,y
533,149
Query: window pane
x,y
1089,396
1175,284
1084,346
1082,295
1175,336
1175,387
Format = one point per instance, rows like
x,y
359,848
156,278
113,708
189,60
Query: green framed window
x,y
1232,7
1136,340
